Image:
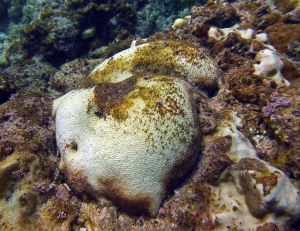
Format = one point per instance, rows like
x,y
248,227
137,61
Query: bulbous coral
x,y
134,136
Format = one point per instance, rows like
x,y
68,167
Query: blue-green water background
x,y
36,22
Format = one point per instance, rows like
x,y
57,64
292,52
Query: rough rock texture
x,y
277,34
27,157
26,125
32,77
71,75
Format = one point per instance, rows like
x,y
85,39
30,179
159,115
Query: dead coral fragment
x,y
268,190
270,67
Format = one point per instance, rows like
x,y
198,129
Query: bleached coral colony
x,y
193,128
137,132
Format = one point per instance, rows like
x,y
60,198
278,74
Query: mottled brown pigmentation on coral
x,y
120,194
174,177
77,178
174,58
108,96
114,191
162,129
164,58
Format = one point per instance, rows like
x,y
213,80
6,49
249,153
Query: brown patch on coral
x,y
181,169
125,199
163,61
159,57
114,190
77,179
118,192
281,35
110,95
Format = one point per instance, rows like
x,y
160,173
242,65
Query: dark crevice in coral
x,y
212,91
5,95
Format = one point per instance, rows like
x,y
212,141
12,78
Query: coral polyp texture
x,y
133,137
175,58
192,128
